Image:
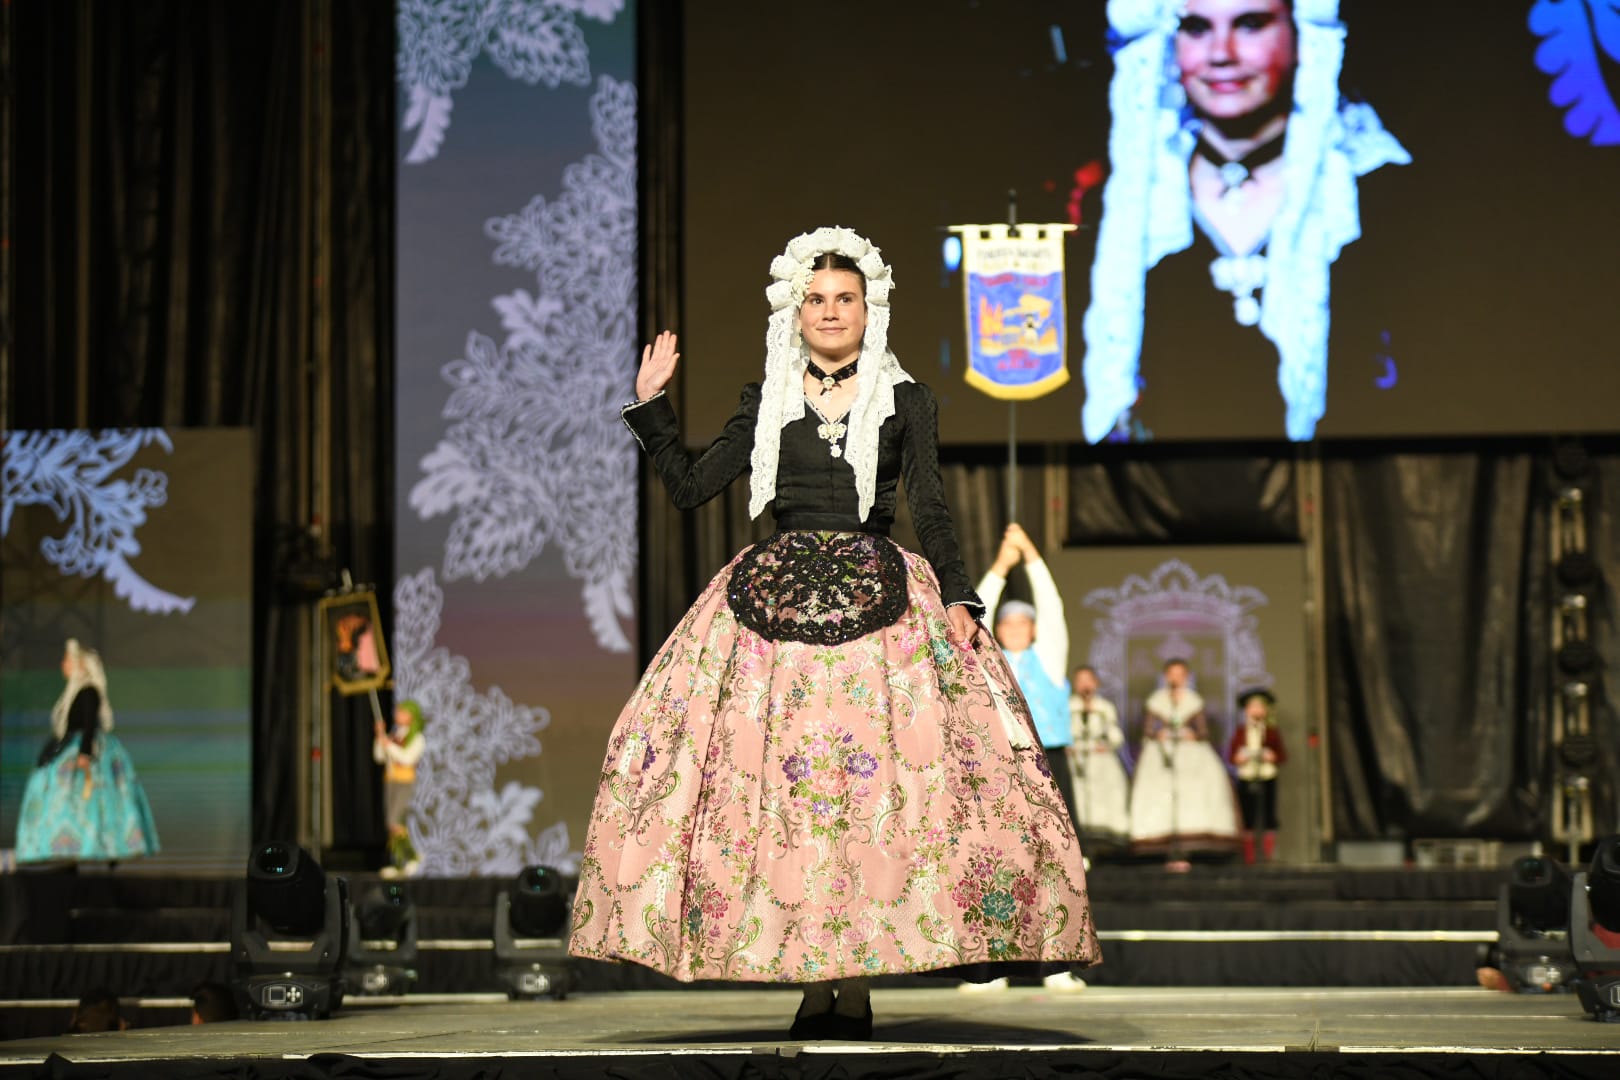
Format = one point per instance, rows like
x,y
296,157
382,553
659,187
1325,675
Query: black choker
x,y
1235,173
831,379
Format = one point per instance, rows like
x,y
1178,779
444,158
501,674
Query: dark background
x,y
170,283
1490,261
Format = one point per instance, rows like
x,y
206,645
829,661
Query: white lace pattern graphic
x,y
535,453
461,825
537,41
72,472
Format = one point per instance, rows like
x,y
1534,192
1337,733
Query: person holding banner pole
x,y
1035,639
827,772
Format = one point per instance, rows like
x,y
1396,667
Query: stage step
x,y
1215,926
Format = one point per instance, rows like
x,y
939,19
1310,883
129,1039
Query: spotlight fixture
x,y
1538,895
1576,571
382,957
1579,753
289,935
531,928
1532,927
1594,931
1576,658
1571,461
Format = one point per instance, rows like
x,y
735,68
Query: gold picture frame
x,y
352,637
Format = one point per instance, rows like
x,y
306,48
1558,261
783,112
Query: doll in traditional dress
x,y
398,751
1256,752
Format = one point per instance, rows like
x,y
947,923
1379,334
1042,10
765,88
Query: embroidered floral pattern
x,y
780,810
819,587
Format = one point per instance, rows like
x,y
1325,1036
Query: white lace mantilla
x,y
787,357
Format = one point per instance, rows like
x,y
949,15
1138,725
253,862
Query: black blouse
x,y
815,490
83,722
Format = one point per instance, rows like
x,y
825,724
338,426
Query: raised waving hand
x,y
657,366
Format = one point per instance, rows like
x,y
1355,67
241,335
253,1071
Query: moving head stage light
x,y
1594,931
382,956
1532,927
289,935
531,930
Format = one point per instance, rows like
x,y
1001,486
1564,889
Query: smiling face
x,y
1235,56
832,317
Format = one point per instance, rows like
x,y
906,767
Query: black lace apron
x,y
822,588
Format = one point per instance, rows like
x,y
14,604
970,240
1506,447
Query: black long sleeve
x,y
925,493
812,482
693,482
84,718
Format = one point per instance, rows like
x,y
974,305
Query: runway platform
x,y
1104,1031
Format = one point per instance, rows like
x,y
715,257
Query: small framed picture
x,y
357,656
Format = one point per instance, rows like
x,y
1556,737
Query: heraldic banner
x,y
1017,325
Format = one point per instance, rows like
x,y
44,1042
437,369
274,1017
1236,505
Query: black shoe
x,y
812,1027
851,1028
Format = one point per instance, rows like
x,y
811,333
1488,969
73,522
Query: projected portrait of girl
x,y
1234,162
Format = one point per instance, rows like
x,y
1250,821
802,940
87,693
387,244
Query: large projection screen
x,y
138,544
1440,245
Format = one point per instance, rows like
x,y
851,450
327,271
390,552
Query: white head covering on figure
x,y
1147,206
787,357
86,671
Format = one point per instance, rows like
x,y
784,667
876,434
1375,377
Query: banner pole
x,y
1012,403
1012,462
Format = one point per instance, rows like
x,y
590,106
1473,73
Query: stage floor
x,y
1099,1023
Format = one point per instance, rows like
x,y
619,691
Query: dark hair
x,y
1176,661
1083,667
214,1002
832,260
97,1011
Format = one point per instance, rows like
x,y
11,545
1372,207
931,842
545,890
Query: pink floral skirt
x,y
779,811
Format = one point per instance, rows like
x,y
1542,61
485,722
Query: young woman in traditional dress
x,y
83,802
827,772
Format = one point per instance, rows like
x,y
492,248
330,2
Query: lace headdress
x,y
87,671
787,356
1147,208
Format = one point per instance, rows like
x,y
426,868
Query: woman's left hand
x,y
962,625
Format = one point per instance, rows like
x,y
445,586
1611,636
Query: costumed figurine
x,y
398,751
83,801
1102,790
1181,798
827,772
1256,752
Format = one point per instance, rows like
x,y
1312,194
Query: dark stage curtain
x,y
203,237
1205,495
1439,592
1603,541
